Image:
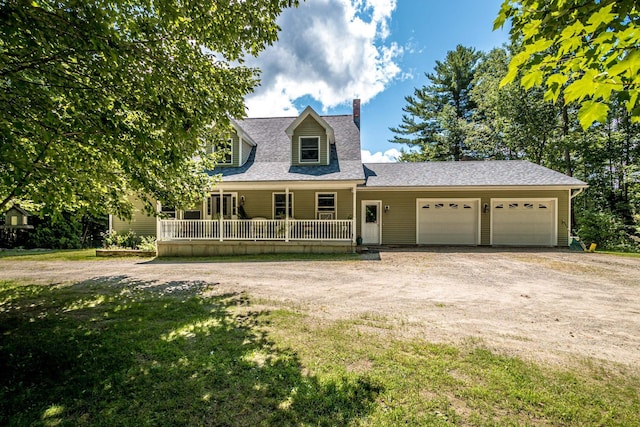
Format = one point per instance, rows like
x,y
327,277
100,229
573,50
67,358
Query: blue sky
x,y
331,51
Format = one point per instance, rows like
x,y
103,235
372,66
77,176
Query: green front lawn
x,y
49,255
130,353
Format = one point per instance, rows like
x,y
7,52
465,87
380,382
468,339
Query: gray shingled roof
x,y
465,174
270,160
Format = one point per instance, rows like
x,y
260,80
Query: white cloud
x,y
330,50
388,156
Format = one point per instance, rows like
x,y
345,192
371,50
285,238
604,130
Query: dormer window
x,y
309,149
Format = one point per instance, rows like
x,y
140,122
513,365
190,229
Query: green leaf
x,y
502,15
510,77
531,79
591,112
531,28
573,30
602,16
580,88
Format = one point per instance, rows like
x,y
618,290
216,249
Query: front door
x,y
371,222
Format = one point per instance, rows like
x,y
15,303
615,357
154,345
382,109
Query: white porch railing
x,y
256,229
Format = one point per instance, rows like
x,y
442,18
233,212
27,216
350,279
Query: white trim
x,y
363,203
478,202
526,199
286,201
315,162
293,185
476,188
335,204
354,207
158,227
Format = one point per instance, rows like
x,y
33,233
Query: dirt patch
x,y
545,305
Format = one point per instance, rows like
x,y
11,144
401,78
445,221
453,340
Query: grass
x,y
113,352
624,254
49,255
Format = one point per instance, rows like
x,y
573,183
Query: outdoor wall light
x,y
242,200
485,208
386,208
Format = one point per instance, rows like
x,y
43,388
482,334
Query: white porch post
x,y
286,214
221,215
158,223
353,216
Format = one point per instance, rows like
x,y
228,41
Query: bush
x,y
606,229
130,240
56,235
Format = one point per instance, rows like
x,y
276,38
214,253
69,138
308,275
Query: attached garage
x,y
524,222
448,222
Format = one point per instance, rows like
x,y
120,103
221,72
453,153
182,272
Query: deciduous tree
x,y
581,50
100,99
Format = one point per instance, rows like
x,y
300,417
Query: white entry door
x,y
371,222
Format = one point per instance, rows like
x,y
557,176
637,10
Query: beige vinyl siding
x,y
141,223
309,127
399,224
259,203
246,152
235,150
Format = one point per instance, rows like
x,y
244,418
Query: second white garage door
x,y
448,222
524,222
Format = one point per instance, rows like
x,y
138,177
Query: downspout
x,y
571,197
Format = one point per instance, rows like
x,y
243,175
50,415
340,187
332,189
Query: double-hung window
x,y
169,212
326,205
224,151
309,149
280,205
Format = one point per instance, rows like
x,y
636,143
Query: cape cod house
x,y
298,184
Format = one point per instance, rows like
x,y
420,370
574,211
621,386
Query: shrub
x,y
129,240
606,229
147,243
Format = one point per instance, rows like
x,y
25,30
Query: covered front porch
x,y
269,220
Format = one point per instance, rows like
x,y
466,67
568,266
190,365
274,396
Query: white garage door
x,y
448,222
523,222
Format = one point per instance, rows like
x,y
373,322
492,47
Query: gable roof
x,y
465,174
270,159
311,112
19,209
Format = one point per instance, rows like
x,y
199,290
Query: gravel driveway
x,y
548,305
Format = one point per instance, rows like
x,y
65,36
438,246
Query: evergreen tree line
x,y
463,113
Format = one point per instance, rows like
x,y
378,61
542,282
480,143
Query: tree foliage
x,y
584,51
438,113
100,99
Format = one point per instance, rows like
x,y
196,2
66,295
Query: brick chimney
x,y
356,112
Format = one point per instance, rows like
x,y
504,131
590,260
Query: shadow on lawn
x,y
115,352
